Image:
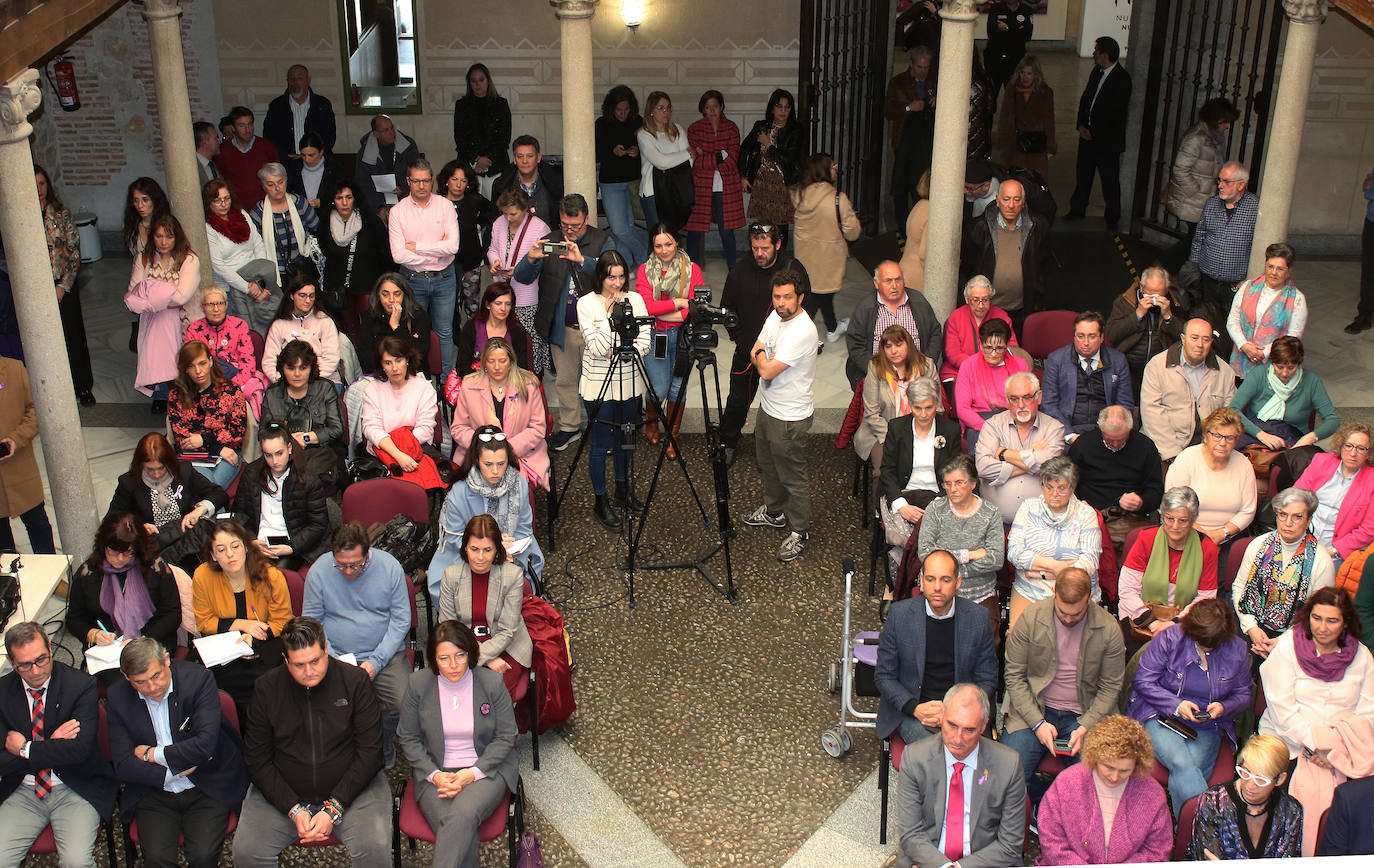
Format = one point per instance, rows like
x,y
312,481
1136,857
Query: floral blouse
x,y
219,415
1217,827
64,246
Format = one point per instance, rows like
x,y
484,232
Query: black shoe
x,y
601,508
1074,215
1359,324
626,500
85,399
159,407
563,439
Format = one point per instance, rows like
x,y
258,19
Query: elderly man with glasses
x,y
360,596
1221,245
52,772
1014,445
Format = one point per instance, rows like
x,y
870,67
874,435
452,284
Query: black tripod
x,y
626,354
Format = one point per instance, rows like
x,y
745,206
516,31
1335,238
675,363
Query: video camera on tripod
x,y
626,325
699,326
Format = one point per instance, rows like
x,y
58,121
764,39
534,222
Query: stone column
x,y
1284,139
178,141
951,151
35,303
579,102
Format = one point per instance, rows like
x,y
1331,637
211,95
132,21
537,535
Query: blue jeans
x,y
605,439
630,240
221,474
650,209
1189,762
661,370
438,295
1029,748
696,241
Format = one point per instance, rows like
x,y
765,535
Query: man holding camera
x,y
785,357
748,294
565,263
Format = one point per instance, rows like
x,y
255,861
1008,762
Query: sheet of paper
x,y
102,657
222,648
519,545
386,185
347,658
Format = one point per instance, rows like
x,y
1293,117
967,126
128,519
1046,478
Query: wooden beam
x,y
1359,11
33,30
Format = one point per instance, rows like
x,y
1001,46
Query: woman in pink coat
x,y
230,343
1107,809
502,393
1343,481
166,276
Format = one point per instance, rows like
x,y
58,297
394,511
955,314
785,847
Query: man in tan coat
x,y
21,488
1182,386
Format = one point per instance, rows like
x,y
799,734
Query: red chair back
x,y
258,346
1046,331
898,747
380,500
295,586
412,823
1321,829
1108,570
1233,562
853,417
1185,829
229,710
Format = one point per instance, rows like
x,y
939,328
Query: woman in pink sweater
x,y
1107,809
980,388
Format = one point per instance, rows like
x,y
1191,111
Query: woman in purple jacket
x,y
1194,678
1107,809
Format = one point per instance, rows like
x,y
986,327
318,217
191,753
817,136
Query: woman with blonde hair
x,y
1107,808
892,368
663,145
503,394
1222,478
1251,817
1025,128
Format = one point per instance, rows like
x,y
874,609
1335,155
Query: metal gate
x,y
843,73
1203,49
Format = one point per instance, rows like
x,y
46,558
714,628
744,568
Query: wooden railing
x,y
1361,11
31,30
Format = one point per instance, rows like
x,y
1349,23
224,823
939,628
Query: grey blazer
x,y
493,733
997,819
505,597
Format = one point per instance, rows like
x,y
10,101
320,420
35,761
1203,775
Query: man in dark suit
x,y
179,757
1083,377
929,643
961,798
1348,831
1102,131
52,771
299,110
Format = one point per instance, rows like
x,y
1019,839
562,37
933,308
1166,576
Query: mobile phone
x,y
1201,715
1061,747
660,345
553,248
279,540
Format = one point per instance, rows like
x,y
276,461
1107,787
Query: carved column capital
x,y
1305,11
959,10
19,97
158,10
573,9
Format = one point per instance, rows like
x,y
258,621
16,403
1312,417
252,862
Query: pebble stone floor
x,y
697,735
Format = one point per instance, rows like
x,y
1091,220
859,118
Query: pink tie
x,y
954,816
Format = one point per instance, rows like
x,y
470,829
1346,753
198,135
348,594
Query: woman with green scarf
x,y
667,281
1277,399
1280,571
1173,565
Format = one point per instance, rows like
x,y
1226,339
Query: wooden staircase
x,y
1359,11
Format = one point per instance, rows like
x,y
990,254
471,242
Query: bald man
x,y
991,247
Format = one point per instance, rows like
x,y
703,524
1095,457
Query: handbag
x,y
1031,142
1158,612
530,854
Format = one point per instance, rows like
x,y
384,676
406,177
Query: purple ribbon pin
x,y
486,708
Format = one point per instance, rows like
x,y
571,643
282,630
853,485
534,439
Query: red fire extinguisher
x,y
65,85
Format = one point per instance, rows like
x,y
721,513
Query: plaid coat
x,y
725,138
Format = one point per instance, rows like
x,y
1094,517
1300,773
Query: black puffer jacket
x,y
302,506
787,150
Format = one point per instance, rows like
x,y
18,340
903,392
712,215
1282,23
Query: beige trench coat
x,y
21,488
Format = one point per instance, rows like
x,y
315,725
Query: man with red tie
x,y
52,771
961,798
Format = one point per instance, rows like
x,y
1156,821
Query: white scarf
x,y
1277,405
269,234
344,231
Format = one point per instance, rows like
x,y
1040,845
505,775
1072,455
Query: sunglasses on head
x,y
488,436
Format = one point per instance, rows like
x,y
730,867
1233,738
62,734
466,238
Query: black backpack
x,y
408,541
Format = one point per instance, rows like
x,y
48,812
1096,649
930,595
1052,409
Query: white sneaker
x,y
840,328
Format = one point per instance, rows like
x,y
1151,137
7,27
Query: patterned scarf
x,y
669,281
166,510
503,499
1274,589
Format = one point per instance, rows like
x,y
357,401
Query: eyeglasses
x,y
1356,448
1290,517
213,304
419,182
357,567
1221,438
36,663
224,200
994,348
488,436
1022,399
1246,775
